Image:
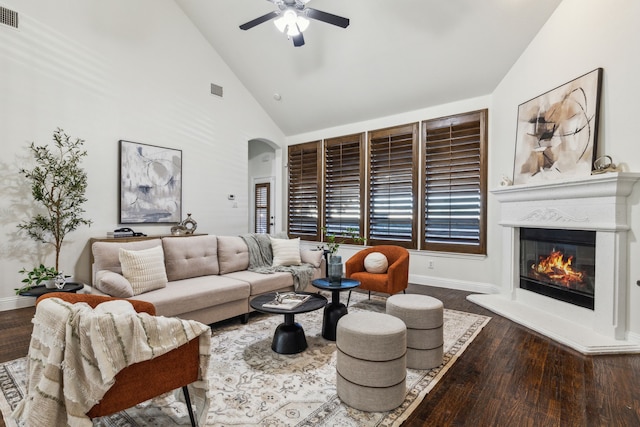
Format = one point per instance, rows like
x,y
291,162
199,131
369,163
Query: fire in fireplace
x,y
559,264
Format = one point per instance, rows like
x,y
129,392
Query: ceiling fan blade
x,y
329,18
260,20
298,40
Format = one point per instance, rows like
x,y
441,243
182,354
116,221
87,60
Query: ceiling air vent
x,y
8,17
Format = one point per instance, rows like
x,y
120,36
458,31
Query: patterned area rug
x,y
253,386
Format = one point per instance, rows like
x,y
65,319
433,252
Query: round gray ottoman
x,y
423,316
371,366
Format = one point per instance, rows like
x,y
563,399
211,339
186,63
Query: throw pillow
x,y
144,269
311,257
285,251
113,284
376,262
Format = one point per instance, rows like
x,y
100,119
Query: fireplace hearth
x,y
559,264
565,261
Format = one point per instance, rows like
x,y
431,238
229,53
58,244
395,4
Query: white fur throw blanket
x,y
76,351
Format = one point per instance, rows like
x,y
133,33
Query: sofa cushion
x,y
313,257
193,256
106,255
113,284
144,269
285,251
184,296
261,283
233,254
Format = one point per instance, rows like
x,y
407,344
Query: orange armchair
x,y
393,281
142,381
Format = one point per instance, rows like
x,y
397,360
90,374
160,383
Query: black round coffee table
x,y
36,291
289,336
335,310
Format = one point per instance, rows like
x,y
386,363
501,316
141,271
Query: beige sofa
x,y
208,280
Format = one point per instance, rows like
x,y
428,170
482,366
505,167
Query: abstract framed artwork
x,y
557,131
150,184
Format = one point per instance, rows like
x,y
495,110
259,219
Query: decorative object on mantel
x,y
604,164
189,224
178,230
505,181
150,184
557,131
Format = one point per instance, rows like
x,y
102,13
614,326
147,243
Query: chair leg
x,y
187,400
369,294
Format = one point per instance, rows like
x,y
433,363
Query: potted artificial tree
x,y
58,185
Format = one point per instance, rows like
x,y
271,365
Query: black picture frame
x,y
150,184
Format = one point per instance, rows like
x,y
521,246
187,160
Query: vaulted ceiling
x,y
395,56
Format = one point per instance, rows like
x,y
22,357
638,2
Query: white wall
x,y
476,271
112,70
580,36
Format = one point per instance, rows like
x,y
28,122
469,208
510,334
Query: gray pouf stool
x,y
371,365
423,316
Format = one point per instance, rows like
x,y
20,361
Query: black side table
x,y
37,291
289,337
335,310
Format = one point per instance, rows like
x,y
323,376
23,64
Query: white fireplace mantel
x,y
597,203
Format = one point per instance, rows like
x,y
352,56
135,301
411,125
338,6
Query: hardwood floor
x,y
509,376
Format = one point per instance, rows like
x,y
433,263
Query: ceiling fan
x,y
291,18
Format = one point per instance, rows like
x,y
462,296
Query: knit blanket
x,y
261,260
76,351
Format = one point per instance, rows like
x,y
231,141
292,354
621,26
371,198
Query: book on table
x,y
286,301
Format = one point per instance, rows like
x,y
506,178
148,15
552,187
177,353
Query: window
x,y
455,171
343,201
304,176
262,214
392,216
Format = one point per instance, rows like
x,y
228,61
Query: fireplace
x,y
581,223
559,264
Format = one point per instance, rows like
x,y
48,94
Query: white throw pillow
x,y
376,262
311,257
285,251
144,269
113,284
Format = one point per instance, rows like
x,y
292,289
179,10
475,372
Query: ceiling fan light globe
x,y
292,30
303,23
281,24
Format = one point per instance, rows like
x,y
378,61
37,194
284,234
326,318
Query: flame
x,y
556,268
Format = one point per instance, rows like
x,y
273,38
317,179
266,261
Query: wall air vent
x,y
216,90
8,17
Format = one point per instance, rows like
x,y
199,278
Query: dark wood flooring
x,y
508,376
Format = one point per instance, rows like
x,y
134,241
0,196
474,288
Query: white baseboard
x,y
12,303
460,285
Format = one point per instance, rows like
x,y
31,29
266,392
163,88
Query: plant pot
x,y
50,283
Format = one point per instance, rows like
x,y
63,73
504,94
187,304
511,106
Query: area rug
x,y
253,386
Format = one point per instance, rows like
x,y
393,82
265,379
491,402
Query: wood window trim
x,y
310,229
389,133
482,117
358,139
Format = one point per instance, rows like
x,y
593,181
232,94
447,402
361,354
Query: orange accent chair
x,y
396,278
144,380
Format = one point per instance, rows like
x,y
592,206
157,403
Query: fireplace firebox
x,y
559,264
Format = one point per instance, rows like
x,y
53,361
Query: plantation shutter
x,y
303,198
343,189
455,183
392,186
262,214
